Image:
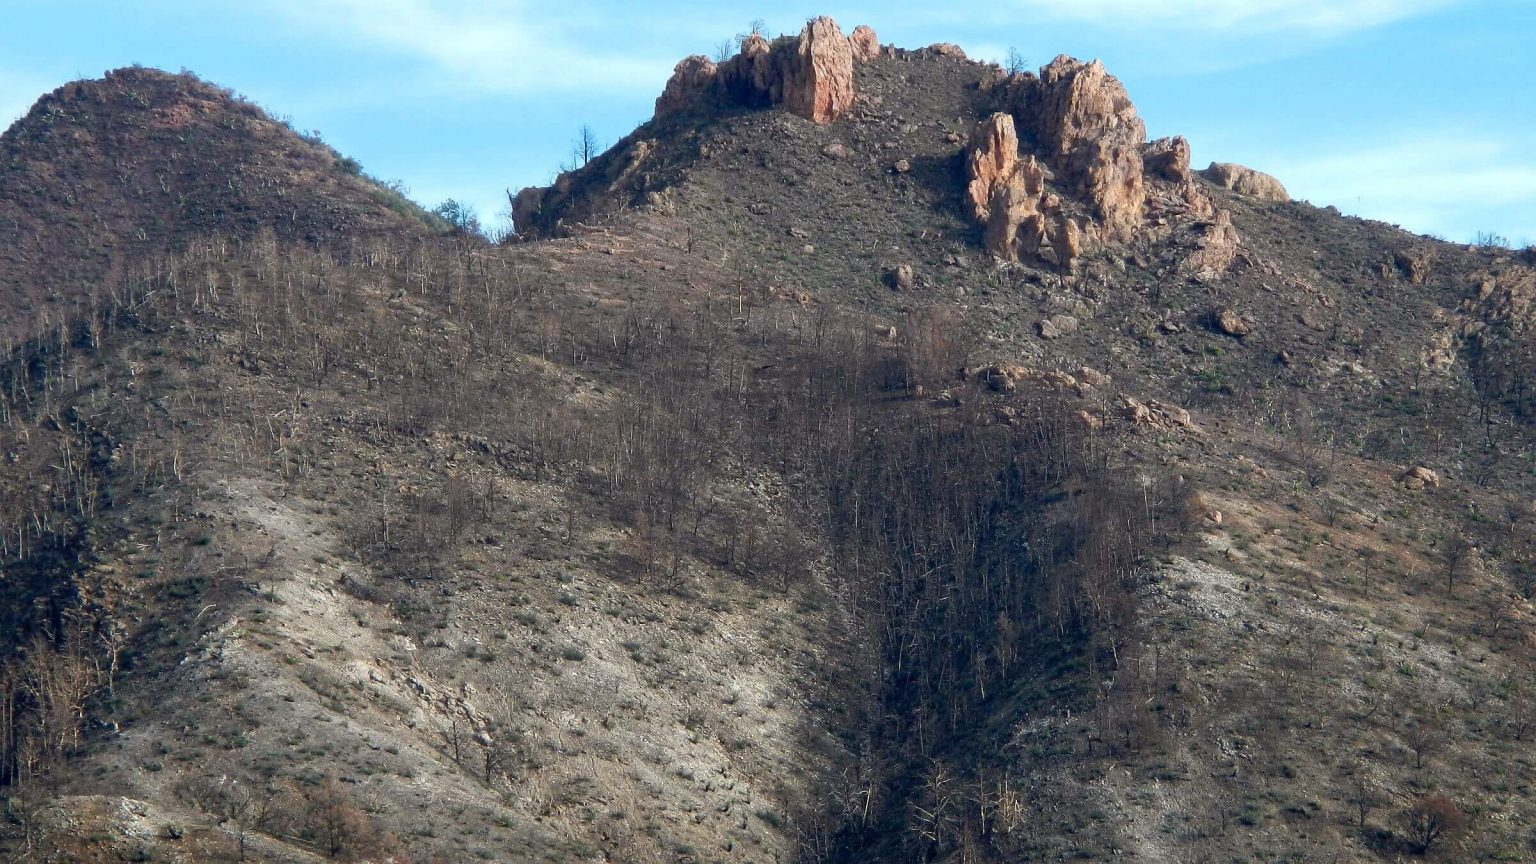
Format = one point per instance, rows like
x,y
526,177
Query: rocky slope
x,y
879,457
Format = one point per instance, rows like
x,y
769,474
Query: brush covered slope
x,y
101,174
875,457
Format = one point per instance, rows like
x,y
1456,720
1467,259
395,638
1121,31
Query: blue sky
x,y
1418,112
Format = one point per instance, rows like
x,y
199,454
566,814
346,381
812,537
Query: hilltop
x,y
876,456
101,175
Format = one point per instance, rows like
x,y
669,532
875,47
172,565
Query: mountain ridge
x,y
772,509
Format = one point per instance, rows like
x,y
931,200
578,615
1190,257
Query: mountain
x,y
102,175
876,456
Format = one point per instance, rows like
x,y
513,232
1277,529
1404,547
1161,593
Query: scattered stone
x,y
902,166
835,150
1313,319
1089,421
1246,181
1214,517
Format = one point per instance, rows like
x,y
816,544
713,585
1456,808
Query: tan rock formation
x,y
1008,195
1084,120
947,49
1216,249
1159,415
1246,181
994,154
820,86
1414,264
692,79
1167,158
749,77
865,45
811,76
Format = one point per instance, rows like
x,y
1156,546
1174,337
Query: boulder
x,y
819,86
865,45
947,49
1004,377
1091,377
1246,181
900,277
1215,249
1167,159
1057,326
1413,264
1232,324
1419,477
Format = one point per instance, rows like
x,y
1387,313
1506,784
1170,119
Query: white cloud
x,y
490,47
1451,184
1321,18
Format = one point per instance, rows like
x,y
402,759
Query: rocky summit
x,y
875,456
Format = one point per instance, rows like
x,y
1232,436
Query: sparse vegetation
x,y
325,532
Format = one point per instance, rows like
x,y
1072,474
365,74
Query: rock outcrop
x,y
1085,123
1168,159
692,78
994,155
1008,196
1246,181
820,86
1080,122
810,75
865,45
